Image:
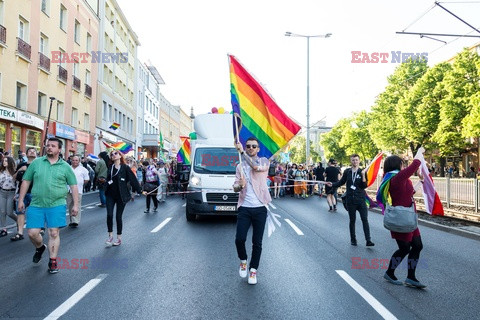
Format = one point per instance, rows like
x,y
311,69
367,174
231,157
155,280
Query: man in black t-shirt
x,y
22,167
318,172
332,173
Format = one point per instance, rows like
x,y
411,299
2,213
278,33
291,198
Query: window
x,y
45,6
3,130
43,44
86,122
74,116
131,126
116,116
77,32
42,104
89,43
76,69
21,101
105,111
60,111
34,139
63,18
62,58
1,11
110,114
87,77
124,123
145,129
23,32
16,137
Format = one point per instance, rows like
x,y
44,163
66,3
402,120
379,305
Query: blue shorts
x,y
55,217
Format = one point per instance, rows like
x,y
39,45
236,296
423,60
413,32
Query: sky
x,y
188,42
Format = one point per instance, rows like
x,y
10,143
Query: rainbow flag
x,y
114,126
183,155
383,192
258,115
373,169
123,147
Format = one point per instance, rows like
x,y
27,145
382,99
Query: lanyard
x,y
354,173
111,173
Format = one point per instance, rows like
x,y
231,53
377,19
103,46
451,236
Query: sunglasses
x,y
114,153
251,146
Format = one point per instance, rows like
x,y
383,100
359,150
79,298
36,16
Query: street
x,y
168,268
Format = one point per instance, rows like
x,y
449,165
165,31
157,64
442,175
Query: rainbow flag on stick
x,y
120,146
114,126
183,155
373,169
257,114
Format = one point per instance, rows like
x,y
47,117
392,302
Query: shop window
x,y
81,149
3,130
16,136
34,139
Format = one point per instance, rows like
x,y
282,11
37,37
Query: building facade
x,y
116,86
40,57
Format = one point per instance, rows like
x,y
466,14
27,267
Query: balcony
x,y
76,84
44,62
24,49
3,35
62,75
88,91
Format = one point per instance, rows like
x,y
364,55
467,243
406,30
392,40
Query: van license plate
x,y
225,208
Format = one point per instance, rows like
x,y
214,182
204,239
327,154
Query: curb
x,y
441,227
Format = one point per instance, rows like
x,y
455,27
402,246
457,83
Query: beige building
x,y
45,51
186,123
116,98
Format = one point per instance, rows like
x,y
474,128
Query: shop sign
x,y
82,137
30,120
8,114
64,131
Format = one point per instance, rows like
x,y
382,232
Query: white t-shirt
x,y
251,199
82,175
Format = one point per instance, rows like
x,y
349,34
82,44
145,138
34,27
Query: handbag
x,y
400,219
149,187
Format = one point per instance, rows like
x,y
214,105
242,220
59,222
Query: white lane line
x,y
76,297
161,225
294,227
184,205
382,311
91,207
271,205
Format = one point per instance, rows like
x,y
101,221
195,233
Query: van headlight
x,y
195,181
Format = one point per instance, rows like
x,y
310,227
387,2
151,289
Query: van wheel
x,y
190,216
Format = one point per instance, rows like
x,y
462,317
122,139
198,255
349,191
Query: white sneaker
x,y
243,269
252,278
109,242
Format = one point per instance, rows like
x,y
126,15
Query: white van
x,y
213,164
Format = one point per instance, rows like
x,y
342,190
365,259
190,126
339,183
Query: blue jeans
x,y
103,199
256,217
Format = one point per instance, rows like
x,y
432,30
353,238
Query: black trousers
x,y
413,250
361,207
111,202
255,217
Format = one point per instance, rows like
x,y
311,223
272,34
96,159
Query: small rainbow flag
x,y
114,126
259,115
183,155
373,169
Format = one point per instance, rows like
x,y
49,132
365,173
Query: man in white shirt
x,y
82,177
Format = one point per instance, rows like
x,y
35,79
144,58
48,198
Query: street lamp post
x,y
290,34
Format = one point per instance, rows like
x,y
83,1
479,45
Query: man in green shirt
x,y
50,175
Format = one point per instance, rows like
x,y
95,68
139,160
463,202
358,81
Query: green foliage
x,y
461,83
356,137
386,130
298,150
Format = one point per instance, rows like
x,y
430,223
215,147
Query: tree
x,y
462,82
298,150
385,129
330,142
356,137
419,111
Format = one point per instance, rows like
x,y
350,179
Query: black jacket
x,y
125,176
353,196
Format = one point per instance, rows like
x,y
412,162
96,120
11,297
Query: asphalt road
x,y
188,270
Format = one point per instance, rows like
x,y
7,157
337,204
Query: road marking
x,y
271,205
184,205
91,207
76,297
161,225
367,296
294,227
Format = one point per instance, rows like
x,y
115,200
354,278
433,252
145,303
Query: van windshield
x,y
215,160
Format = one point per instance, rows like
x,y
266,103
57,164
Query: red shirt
x,y
401,190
